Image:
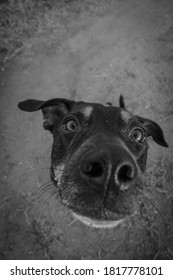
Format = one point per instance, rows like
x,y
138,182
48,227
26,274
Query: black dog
x,y
97,156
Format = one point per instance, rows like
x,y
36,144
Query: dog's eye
x,y
138,134
70,125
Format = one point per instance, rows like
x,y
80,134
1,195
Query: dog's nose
x,y
125,174
93,170
112,167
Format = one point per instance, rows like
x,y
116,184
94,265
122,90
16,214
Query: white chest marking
x,y
58,171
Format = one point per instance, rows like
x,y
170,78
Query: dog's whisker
x,y
42,189
45,184
47,195
44,201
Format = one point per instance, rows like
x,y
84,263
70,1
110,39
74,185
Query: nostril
x,y
125,174
92,169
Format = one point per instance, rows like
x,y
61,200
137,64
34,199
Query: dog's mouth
x,y
102,216
109,220
98,223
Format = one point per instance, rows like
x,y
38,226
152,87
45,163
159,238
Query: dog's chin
x,y
96,223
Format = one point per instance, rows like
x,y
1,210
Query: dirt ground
x,y
93,53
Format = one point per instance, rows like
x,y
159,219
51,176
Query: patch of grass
x,y
28,22
157,197
19,20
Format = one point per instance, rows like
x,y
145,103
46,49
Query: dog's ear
x,y
121,102
154,130
53,109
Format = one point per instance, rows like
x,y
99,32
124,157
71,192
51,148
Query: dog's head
x,y
97,157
